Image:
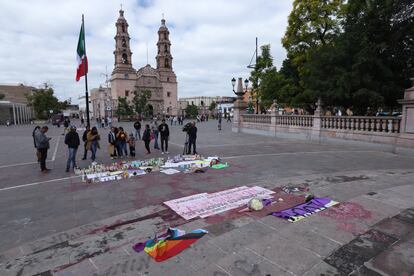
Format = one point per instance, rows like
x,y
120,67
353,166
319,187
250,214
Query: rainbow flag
x,y
169,244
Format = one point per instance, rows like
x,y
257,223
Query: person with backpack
x,y
72,140
112,142
93,142
146,137
164,133
85,140
122,141
137,127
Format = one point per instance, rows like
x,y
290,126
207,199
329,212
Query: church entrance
x,y
150,110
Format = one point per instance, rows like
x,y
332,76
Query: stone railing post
x,y
239,108
406,137
316,129
274,109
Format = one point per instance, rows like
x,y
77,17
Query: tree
x,y
124,108
191,110
311,24
42,101
212,106
140,101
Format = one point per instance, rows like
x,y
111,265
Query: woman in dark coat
x,y
146,137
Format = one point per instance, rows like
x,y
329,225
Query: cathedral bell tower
x,y
122,53
164,68
123,76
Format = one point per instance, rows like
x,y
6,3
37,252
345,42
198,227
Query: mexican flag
x,y
82,69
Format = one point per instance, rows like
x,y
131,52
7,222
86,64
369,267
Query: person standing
x,y
110,122
122,138
93,142
137,127
42,143
85,141
154,130
164,133
72,140
131,143
219,122
192,137
35,130
82,122
146,137
65,126
112,142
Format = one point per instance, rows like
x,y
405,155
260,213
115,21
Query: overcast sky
x,y
212,40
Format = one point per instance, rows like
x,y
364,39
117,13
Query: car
x,y
57,119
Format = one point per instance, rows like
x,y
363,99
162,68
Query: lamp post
x,y
240,92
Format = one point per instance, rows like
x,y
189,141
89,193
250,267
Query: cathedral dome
x,y
148,71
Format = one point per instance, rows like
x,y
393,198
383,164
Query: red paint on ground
x,y
348,216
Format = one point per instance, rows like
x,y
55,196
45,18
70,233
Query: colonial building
x,y
224,104
101,102
161,81
14,106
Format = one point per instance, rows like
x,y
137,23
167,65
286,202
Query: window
x,y
192,103
168,94
124,58
167,63
123,27
165,48
123,43
125,76
202,103
168,79
126,93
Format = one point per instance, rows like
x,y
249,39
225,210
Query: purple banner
x,y
306,209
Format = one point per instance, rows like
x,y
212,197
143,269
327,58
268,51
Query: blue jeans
x,y
122,148
138,134
93,149
71,158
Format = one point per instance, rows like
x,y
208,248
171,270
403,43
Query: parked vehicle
x,y
57,119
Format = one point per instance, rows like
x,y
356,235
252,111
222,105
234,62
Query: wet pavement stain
x,y
353,255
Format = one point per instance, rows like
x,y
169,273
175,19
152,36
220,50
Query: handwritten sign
x,y
204,205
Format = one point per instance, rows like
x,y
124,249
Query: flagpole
x,y
88,122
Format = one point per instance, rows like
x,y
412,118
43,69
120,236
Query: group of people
x,y
118,141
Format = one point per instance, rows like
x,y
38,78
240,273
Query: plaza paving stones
x,y
59,226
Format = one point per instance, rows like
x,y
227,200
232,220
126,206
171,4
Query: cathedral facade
x,y
161,81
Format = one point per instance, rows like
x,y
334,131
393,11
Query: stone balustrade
x,y
256,118
368,124
294,120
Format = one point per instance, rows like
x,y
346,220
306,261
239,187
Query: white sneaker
x,y
162,152
167,152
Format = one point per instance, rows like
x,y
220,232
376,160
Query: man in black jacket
x,y
137,127
72,140
192,137
165,133
85,140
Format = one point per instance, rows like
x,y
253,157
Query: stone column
x,y
274,109
316,129
239,108
14,114
406,137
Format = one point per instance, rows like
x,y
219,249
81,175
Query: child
x,y
131,142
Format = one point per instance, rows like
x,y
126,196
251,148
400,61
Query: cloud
x,y
212,40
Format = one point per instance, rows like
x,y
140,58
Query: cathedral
x,y
161,81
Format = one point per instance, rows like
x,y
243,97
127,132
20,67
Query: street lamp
x,y
240,92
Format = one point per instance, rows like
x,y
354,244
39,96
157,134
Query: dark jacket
x,y
42,142
146,136
137,125
72,139
192,132
111,138
164,130
85,135
66,123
